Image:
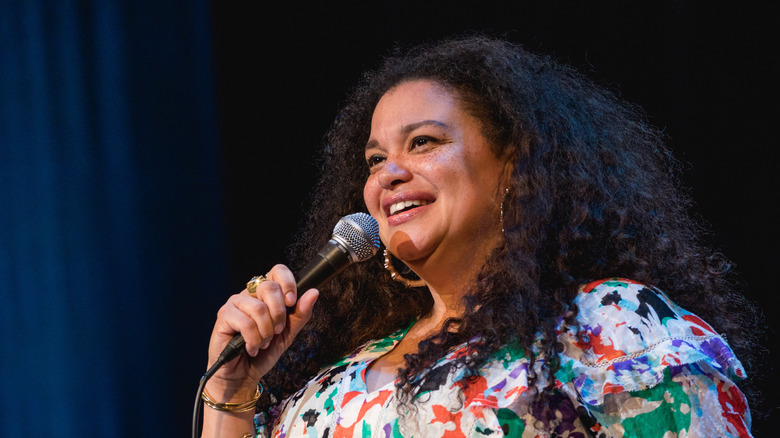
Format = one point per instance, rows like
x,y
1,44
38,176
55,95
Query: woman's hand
x,y
267,329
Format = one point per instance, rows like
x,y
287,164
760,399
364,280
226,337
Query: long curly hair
x,y
595,193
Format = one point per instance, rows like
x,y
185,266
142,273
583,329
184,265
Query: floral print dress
x,y
637,366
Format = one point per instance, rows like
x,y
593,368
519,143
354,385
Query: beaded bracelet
x,y
233,407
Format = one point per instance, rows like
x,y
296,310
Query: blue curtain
x,y
110,215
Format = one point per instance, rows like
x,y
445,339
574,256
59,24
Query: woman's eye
x,y
373,160
420,141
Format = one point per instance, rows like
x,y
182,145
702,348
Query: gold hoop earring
x,y
506,193
396,276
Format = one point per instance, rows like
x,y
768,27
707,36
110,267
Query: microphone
x,y
355,239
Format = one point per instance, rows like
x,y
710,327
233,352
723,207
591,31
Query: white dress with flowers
x,y
637,366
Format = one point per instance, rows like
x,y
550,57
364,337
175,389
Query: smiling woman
x,y
561,283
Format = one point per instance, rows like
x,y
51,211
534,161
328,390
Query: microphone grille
x,y
361,234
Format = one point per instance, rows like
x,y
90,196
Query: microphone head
x,y
359,232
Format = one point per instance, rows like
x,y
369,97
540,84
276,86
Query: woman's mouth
x,y
402,206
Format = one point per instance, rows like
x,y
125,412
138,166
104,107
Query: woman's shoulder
x,y
642,314
626,334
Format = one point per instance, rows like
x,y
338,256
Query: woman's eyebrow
x,y
409,128
412,126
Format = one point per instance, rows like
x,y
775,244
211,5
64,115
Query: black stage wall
x,y
703,72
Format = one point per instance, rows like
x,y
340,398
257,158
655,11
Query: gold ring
x,y
251,286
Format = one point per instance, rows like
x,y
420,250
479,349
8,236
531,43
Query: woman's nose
x,y
393,173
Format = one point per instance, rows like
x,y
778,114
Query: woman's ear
x,y
505,179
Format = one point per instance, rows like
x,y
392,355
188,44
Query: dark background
x,y
156,155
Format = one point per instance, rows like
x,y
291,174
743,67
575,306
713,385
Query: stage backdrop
x,y
110,215
154,155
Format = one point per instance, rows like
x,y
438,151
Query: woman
x,y
510,193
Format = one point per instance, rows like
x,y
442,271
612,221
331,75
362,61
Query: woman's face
x,y
435,184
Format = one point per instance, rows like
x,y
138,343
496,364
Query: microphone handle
x,y
329,262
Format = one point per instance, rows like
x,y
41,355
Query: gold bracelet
x,y
233,407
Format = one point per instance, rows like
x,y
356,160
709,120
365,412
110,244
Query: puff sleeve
x,y
644,367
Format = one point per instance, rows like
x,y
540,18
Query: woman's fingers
x,y
256,318
303,311
282,275
265,312
266,307
277,292
254,322
263,319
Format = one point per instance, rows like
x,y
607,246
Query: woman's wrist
x,y
222,424
226,391
229,411
242,406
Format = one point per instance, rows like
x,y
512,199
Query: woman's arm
x,y
644,367
692,400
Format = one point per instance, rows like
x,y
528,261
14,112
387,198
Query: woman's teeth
x,y
399,206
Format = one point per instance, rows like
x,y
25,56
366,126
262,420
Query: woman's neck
x,y
450,278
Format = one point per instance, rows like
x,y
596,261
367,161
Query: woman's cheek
x,y
371,194
371,197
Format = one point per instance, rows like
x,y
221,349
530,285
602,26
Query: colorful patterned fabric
x,y
637,366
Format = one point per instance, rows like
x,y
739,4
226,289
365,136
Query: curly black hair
x,y
595,193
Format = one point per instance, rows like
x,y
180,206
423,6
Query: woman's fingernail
x,y
264,346
290,297
279,328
